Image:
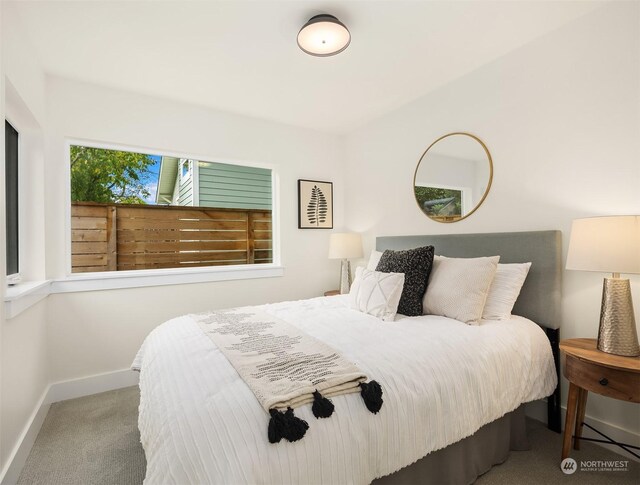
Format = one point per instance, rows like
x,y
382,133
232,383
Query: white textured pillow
x,y
458,287
504,290
376,293
374,259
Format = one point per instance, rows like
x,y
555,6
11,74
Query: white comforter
x,y
442,381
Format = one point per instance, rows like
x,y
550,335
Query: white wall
x,y
101,331
21,64
561,118
25,375
23,345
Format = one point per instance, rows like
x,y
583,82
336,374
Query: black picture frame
x,y
315,204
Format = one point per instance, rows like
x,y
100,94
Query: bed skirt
x,y
463,462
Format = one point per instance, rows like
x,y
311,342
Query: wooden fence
x,y
116,237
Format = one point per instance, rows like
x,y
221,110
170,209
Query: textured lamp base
x,y
617,333
345,277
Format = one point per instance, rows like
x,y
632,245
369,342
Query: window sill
x,y
19,297
161,277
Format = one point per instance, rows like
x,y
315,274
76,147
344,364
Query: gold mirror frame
x,y
486,192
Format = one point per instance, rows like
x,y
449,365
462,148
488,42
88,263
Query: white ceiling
x,y
242,56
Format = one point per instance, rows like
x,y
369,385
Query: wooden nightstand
x,y
589,369
332,293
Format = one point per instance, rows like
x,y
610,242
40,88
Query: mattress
x,y
442,380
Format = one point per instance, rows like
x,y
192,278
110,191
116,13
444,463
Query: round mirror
x,y
453,177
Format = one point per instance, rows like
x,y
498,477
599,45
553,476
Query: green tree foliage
x,y
109,176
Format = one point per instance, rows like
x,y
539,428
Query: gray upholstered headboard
x,y
539,299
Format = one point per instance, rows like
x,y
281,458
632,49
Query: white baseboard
x,y
85,386
538,410
18,457
60,391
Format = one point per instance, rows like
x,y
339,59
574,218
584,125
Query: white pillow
x,y
504,290
376,293
458,287
374,259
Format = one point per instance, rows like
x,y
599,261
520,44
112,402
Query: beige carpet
x,y
95,440
89,441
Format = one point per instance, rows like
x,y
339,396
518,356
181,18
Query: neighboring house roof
x,y
430,203
167,180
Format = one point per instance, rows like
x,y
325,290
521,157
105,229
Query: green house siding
x,y
234,186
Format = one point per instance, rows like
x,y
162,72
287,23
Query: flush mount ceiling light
x,y
323,36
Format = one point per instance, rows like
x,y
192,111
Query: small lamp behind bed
x,y
610,245
345,245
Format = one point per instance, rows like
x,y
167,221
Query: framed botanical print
x,y
315,204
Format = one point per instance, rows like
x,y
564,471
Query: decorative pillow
x,y
416,266
504,290
374,259
458,287
376,293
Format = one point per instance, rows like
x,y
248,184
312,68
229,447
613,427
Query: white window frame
x,y
74,282
31,286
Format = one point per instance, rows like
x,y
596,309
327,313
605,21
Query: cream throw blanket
x,y
281,365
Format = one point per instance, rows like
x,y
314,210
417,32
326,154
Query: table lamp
x,y
345,245
612,245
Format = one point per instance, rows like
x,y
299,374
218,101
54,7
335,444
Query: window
x,y
185,169
11,191
134,211
441,203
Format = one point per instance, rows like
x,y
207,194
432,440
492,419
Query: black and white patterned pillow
x,y
416,266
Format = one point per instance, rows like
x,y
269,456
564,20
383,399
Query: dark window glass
x,y
11,180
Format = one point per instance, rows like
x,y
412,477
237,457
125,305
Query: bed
x,y
449,388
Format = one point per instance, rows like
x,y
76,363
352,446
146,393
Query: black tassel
x,y
295,428
276,426
371,395
322,407
285,425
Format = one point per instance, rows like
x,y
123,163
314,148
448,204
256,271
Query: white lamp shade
x,y
606,244
323,36
345,245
